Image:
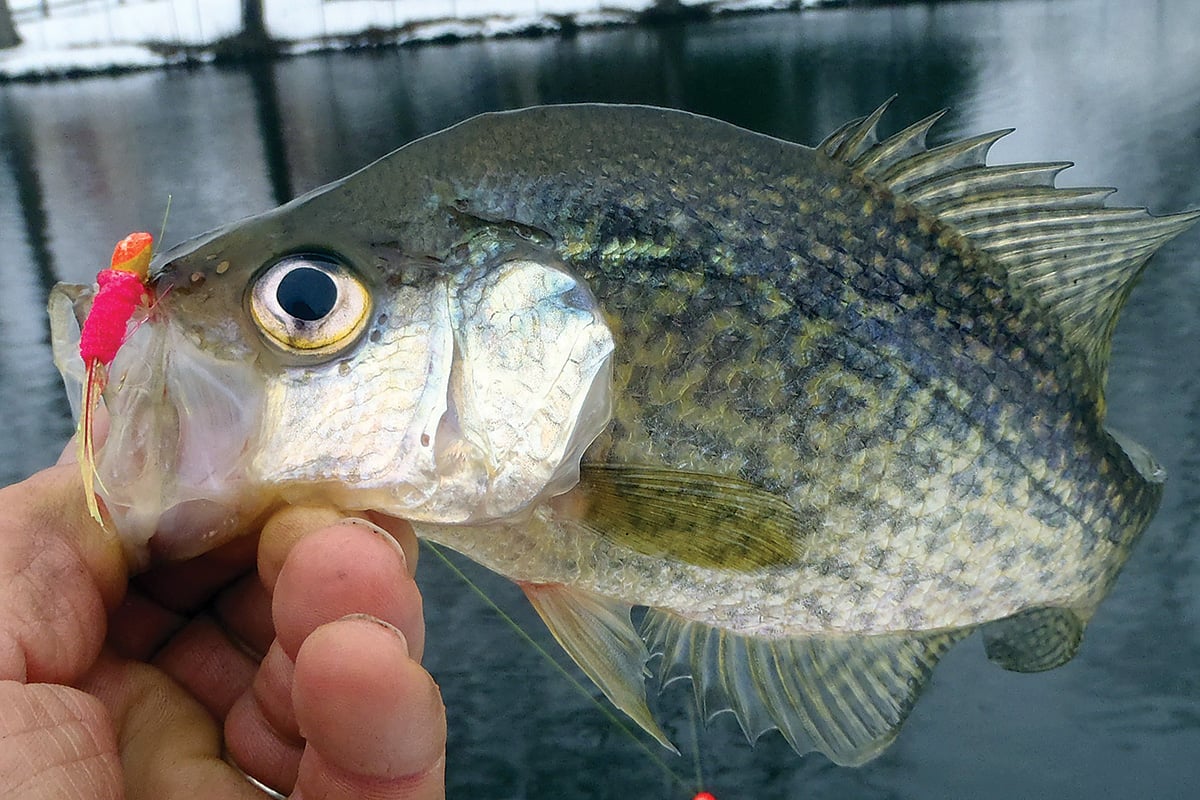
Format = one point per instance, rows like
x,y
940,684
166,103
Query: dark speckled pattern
x,y
786,321
781,320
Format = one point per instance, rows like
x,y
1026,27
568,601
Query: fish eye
x,y
309,303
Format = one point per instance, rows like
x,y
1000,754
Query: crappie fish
x,y
822,412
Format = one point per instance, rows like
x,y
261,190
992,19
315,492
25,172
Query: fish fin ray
x,y
963,154
847,141
599,635
945,190
842,695
1141,457
908,142
1015,213
700,519
830,144
1034,640
857,137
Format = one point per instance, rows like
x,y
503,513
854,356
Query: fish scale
x,y
823,412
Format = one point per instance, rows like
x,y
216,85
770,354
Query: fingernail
x,y
361,617
387,537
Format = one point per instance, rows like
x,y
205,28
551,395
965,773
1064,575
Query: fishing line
x,y
166,213
437,551
696,747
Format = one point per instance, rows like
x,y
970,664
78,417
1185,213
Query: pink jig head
x,y
122,288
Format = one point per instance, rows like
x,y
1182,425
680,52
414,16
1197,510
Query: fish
x,y
820,412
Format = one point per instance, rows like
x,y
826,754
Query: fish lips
x,y
173,468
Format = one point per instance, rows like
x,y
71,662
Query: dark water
x,y
1113,85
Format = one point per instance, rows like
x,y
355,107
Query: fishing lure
x,y
122,288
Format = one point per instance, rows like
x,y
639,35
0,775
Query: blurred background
x,y
1111,84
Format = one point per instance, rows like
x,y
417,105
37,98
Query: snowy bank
x,y
107,35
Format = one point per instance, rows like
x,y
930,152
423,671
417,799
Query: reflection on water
x,y
1113,84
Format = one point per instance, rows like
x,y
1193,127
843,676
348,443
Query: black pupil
x,y
306,293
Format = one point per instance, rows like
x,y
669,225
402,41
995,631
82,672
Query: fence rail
x,y
45,9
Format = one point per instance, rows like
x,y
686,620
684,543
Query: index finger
x,y
60,574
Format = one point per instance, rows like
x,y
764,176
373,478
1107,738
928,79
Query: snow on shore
x,y
105,36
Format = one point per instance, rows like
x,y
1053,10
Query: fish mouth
x,y
172,470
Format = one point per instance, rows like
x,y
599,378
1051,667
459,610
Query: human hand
x,y
249,654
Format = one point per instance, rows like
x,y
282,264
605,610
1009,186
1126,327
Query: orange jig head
x,y
122,288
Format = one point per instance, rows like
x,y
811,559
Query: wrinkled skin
x,y
116,689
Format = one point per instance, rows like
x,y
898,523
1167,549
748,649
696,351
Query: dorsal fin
x,y
1079,258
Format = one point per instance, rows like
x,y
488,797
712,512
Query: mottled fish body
x,y
822,411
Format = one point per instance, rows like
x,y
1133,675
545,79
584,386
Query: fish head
x,y
315,355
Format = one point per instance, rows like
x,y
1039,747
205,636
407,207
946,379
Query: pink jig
x,y
122,288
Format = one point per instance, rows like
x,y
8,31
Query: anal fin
x,y
846,696
598,634
1034,640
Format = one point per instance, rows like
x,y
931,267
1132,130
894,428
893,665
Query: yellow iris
x,y
309,304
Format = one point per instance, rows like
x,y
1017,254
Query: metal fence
x,y
31,10
49,24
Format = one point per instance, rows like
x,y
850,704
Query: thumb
x,y
60,573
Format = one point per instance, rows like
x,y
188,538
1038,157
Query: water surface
x,y
1111,84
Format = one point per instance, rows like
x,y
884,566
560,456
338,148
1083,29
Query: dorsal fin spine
x,y
855,137
946,188
947,158
906,143
863,137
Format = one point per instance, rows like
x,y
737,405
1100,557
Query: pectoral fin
x,y
705,520
598,634
845,696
